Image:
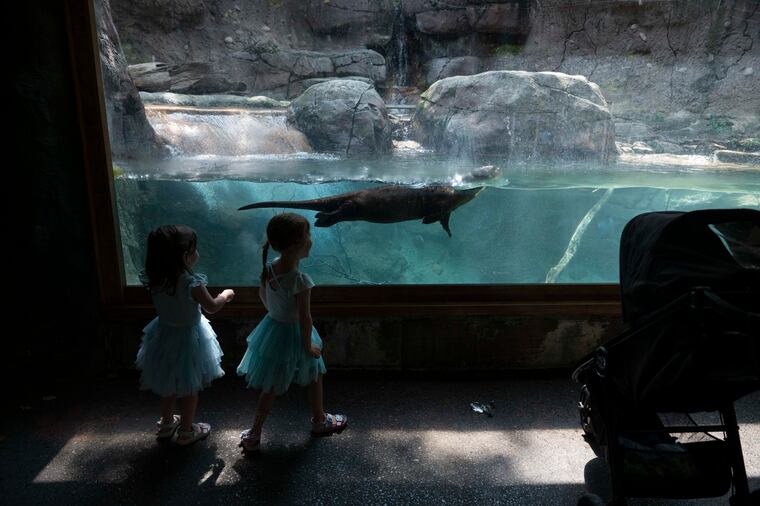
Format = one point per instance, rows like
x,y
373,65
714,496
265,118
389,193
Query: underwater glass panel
x,y
532,224
200,100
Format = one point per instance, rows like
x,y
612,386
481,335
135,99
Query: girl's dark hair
x,y
165,260
283,231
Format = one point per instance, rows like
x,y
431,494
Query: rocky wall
x,y
680,69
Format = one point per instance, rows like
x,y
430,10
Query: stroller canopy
x,y
664,254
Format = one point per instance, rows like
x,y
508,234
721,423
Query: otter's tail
x,y
314,205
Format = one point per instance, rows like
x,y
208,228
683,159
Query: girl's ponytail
x,y
264,273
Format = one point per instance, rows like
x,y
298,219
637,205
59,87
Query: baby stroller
x,y
690,292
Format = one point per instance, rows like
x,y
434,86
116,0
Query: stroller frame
x,y
603,426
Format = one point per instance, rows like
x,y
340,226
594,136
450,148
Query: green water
x,y
532,224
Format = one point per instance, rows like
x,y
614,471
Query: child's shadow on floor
x,y
272,468
163,469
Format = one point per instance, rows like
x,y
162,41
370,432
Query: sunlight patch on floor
x,y
503,457
497,457
79,458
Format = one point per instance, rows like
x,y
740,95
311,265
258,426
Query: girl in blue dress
x,y
285,348
179,354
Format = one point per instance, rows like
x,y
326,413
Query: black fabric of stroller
x,y
694,355
664,254
692,297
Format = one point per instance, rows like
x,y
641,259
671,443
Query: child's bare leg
x,y
188,404
167,409
315,400
266,399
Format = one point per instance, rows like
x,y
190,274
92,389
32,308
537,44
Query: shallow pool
x,y
531,224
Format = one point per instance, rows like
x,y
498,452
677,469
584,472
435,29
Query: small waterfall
x,y
401,56
235,133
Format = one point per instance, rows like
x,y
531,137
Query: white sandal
x,y
200,431
249,442
167,430
332,424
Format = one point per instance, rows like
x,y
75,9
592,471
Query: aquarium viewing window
x,y
448,163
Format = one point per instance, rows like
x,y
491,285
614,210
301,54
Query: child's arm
x,y
304,318
208,303
263,295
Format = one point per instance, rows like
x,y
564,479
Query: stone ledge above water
x,y
218,101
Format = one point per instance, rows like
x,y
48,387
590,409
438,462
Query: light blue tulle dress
x,y
276,357
179,354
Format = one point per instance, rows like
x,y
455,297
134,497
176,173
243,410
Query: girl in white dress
x,y
285,348
179,354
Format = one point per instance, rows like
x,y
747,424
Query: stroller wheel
x,y
590,500
584,410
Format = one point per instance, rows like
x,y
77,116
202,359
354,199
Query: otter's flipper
x,y
443,218
327,219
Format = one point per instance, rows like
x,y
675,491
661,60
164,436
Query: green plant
x,y
750,144
720,125
131,53
263,47
507,50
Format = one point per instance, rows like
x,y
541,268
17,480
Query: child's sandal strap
x,y
199,431
166,430
330,425
249,442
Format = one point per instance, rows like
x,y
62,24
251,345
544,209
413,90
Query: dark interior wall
x,y
56,304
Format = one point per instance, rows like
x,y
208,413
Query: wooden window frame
x,y
119,300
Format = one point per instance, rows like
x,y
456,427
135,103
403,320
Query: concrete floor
x,y
410,441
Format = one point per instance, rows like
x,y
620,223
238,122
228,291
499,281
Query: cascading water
x,y
229,133
401,57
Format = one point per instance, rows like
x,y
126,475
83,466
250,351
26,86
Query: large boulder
x,y
130,133
343,116
522,115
